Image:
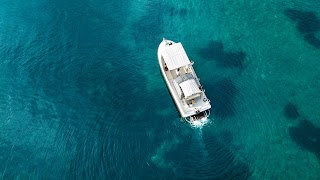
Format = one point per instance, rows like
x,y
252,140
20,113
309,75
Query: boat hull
x,y
167,80
184,110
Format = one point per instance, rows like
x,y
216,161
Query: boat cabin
x,y
180,72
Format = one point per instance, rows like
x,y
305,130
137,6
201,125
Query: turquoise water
x,y
81,94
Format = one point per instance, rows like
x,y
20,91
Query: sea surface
x,y
82,97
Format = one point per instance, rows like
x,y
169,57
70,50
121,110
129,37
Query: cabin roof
x,y
175,56
189,87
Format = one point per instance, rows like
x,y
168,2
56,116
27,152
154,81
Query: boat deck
x,y
199,103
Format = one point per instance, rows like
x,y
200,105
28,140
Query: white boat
x,y
182,82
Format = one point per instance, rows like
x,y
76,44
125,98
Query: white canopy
x,y
175,56
189,87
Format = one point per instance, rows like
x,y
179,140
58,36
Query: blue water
x,y
81,94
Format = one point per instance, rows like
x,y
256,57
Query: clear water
x,y
81,94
